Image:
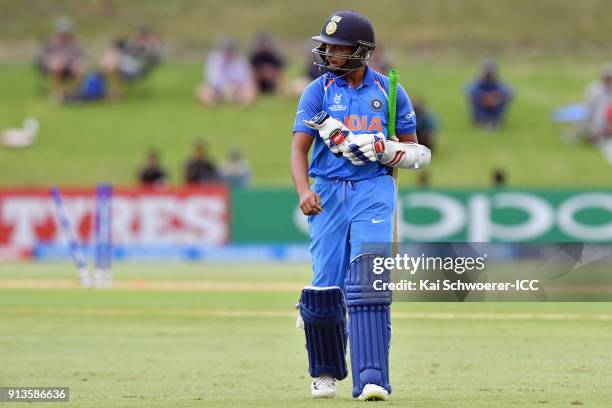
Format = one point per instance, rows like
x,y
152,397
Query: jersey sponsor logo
x,y
356,122
410,115
376,105
337,98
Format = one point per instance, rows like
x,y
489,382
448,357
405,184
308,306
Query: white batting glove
x,y
368,147
332,131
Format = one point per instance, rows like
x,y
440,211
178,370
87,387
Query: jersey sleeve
x,y
405,121
310,104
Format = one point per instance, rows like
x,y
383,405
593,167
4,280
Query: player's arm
x,y
408,138
310,202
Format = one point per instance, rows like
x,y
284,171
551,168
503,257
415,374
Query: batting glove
x,y
332,131
369,147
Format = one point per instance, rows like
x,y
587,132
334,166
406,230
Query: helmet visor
x,y
331,40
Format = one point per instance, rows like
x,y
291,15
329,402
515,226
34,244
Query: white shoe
x,y
372,392
323,387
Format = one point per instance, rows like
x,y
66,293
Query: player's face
x,y
335,61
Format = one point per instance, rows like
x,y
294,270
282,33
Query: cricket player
x,y
342,115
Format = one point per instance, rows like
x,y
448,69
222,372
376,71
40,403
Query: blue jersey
x,y
362,110
478,87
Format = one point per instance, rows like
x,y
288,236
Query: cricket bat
x,y
393,78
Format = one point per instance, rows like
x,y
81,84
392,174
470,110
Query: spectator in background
x,y
130,60
113,65
267,64
489,97
228,77
235,171
427,125
152,174
61,58
499,178
199,168
598,103
148,47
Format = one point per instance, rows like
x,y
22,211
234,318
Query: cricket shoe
x,y
323,387
373,392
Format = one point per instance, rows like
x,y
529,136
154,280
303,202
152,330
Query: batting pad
x,y
369,324
324,313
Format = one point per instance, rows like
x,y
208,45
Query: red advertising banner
x,y
140,216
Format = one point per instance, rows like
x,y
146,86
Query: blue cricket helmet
x,y
348,28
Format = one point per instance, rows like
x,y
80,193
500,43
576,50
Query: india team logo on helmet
x,y
332,26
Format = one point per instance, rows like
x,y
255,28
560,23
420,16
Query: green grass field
x,y
214,345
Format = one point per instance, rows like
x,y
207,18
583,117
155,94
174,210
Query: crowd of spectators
x,y
231,77
62,61
199,169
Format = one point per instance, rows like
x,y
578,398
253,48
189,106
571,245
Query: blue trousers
x,y
354,213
